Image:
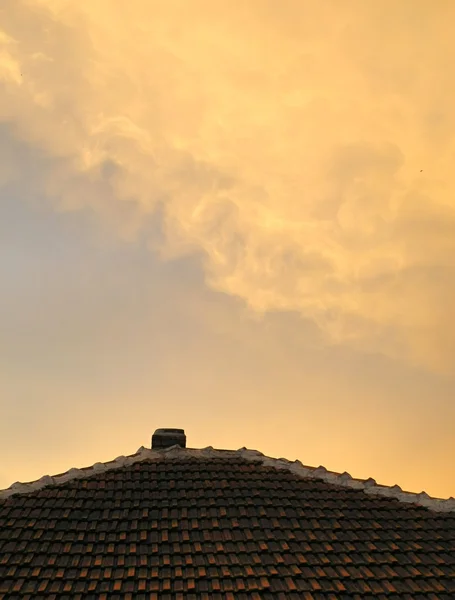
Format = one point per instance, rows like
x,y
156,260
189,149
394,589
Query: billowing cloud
x,y
305,149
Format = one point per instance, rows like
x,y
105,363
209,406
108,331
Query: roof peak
x,y
368,486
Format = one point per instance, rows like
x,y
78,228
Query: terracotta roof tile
x,y
221,525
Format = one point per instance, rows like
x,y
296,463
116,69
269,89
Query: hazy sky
x,y
234,217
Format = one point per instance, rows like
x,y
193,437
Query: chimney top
x,y
167,437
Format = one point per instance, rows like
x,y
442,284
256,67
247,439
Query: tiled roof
x,y
216,524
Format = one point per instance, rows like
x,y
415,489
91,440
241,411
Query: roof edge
x,y
368,486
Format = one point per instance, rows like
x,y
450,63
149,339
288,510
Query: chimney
x,y
164,438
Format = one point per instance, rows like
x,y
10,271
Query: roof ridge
x,y
368,486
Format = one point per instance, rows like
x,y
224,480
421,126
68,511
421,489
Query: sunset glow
x,y
234,217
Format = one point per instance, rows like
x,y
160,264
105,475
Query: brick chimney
x,y
164,438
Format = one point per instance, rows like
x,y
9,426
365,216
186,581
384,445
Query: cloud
x,y
308,161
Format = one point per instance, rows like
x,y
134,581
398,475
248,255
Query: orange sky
x,y
233,217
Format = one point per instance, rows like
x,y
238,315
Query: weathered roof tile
x,y
221,525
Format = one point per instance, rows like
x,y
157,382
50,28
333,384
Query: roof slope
x,y
219,525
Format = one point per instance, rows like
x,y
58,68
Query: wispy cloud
x,y
305,150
